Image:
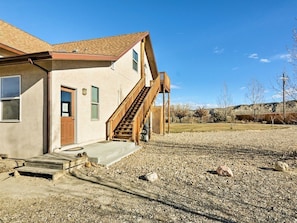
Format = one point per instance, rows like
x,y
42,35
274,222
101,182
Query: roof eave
x,y
145,34
54,56
10,49
76,56
151,57
24,58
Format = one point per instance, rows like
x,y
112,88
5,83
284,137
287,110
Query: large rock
x,y
224,171
281,166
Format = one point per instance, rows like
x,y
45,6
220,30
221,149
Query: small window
x,y
95,103
135,60
10,90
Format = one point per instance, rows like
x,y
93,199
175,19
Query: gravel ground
x,y
187,190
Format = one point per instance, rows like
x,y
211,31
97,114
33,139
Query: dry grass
x,y
208,127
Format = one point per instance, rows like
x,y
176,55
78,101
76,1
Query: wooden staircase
x,y
51,165
127,121
124,130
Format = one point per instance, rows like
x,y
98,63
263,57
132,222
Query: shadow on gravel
x,y
212,172
146,195
267,168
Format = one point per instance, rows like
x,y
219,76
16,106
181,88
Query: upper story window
x,y
135,60
95,103
10,91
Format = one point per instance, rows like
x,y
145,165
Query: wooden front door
x,y
67,116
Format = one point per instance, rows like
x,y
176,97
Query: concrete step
x,y
55,161
51,165
52,174
115,157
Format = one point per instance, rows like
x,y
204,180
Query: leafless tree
x,y
286,84
290,81
180,111
225,101
200,112
255,95
293,51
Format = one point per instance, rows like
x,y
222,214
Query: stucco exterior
x,y
29,138
26,137
114,80
43,70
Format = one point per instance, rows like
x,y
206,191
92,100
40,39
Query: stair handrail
x,y
142,113
119,113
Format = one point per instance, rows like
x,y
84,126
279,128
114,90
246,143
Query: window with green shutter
x,y
95,103
135,60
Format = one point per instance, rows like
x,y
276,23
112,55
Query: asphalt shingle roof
x,y
17,39
108,46
116,46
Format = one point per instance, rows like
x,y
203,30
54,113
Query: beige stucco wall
x,y
147,71
27,137
114,81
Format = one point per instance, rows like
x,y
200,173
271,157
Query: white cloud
x,y
277,96
254,56
242,88
288,93
235,68
218,50
264,60
172,86
195,105
286,56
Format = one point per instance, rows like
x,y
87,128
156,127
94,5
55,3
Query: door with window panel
x,y
67,116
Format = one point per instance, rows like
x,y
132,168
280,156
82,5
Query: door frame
x,y
73,115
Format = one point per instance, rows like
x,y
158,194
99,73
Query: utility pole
x,y
284,79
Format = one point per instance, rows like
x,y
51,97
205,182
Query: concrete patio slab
x,y
105,153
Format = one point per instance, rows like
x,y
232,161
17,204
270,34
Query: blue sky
x,y
201,44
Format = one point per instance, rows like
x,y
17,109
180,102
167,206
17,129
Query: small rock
x,y
281,166
224,171
88,164
16,173
151,177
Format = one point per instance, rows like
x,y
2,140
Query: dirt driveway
x,y
188,190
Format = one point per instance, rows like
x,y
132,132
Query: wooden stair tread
x,y
125,127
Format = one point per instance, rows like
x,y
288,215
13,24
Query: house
x,y
75,93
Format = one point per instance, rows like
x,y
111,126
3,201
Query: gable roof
x,y
20,42
114,46
101,49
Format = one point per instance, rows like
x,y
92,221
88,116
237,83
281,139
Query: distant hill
x,y
265,108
